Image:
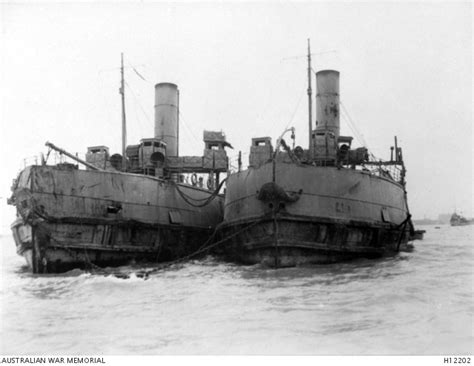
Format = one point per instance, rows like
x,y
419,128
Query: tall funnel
x,y
166,116
327,101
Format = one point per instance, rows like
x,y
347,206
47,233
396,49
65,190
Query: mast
x,y
124,124
310,106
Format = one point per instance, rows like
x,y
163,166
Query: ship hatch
x,y
175,217
385,215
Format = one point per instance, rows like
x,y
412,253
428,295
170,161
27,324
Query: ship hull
x,y
87,219
48,248
465,223
287,241
340,214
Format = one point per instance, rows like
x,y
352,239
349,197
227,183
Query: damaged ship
x,y
326,203
146,204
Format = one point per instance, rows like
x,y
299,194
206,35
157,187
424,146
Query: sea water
x,y
416,303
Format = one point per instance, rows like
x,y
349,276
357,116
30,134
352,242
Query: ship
x,y
148,204
325,203
459,220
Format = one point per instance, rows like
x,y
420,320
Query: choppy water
x,y
416,303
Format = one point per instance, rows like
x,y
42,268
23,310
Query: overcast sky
x,y
406,70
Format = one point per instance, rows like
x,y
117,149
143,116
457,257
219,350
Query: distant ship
x,y
148,204
326,203
458,220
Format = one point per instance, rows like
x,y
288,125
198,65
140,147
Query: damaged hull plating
x,y
70,218
326,214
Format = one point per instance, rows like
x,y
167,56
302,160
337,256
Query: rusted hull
x,y
115,220
47,248
311,215
291,241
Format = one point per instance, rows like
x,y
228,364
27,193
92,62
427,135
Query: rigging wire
x,y
294,111
352,128
181,119
359,136
138,102
142,125
296,108
136,72
134,68
351,121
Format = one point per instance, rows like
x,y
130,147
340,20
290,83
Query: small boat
x,y
320,204
147,204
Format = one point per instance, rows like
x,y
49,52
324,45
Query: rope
x,y
189,199
204,247
404,223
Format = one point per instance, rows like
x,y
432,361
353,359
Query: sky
x,y
406,70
